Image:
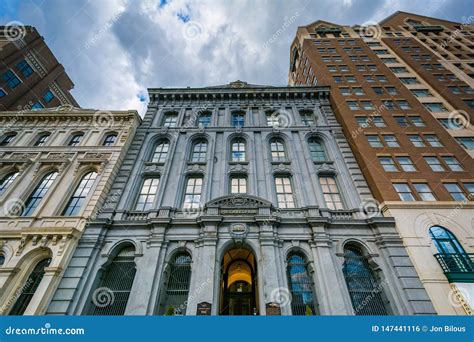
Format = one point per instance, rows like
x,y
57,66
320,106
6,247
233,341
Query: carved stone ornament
x,y
327,169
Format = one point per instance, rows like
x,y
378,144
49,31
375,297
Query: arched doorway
x,y
238,283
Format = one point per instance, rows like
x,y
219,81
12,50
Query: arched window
x,y
147,194
37,195
204,119
316,149
79,196
238,153
301,286
110,297
29,288
42,138
76,139
199,152
7,181
445,241
452,257
161,152
110,139
7,138
176,286
277,148
366,292
2,259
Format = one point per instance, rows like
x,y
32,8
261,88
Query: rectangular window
x,y
388,164
466,142
391,141
421,92
147,194
416,141
424,191
434,164
238,120
455,191
362,121
48,96
192,194
170,120
238,185
453,164
2,93
345,91
451,124
272,120
378,90
378,121
350,79
404,192
417,121
403,105
406,164
358,91
391,90
409,80
433,140
374,141
307,118
331,193
381,78
470,189
367,105
284,192
389,104
10,78
24,68
435,107
353,105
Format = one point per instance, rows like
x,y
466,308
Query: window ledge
x,y
284,162
238,162
196,163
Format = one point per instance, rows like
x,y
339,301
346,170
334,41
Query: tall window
x,y
238,119
278,150
331,194
7,181
366,293
170,120
147,194
76,139
238,185
238,150
301,286
192,195
41,140
29,288
316,150
25,68
445,241
176,287
284,191
7,139
110,139
77,200
161,152
37,195
115,282
204,120
199,152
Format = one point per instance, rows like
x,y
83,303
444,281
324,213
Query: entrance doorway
x,y
238,283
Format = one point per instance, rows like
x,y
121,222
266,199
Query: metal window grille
x,y
366,293
29,288
176,288
116,282
37,195
79,196
301,286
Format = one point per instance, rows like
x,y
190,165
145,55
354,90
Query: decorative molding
x,y
282,168
326,169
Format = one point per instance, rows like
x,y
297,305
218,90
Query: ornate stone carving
x,y
281,168
327,169
234,201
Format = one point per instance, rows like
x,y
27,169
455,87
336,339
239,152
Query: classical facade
x,y
30,75
240,200
56,167
402,92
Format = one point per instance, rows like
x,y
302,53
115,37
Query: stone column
x,y
201,290
331,292
147,267
273,303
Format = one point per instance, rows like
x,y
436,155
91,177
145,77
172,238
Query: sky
x,y
113,50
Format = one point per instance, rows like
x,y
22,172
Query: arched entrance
x,y
238,283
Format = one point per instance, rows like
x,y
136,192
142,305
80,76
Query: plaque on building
x,y
273,309
204,309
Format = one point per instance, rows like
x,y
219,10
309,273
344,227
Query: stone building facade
x,y
240,200
56,168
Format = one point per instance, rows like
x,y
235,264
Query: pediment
x,y
238,201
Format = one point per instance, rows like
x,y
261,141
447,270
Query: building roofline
x,y
415,14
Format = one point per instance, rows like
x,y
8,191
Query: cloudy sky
x,y
113,50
